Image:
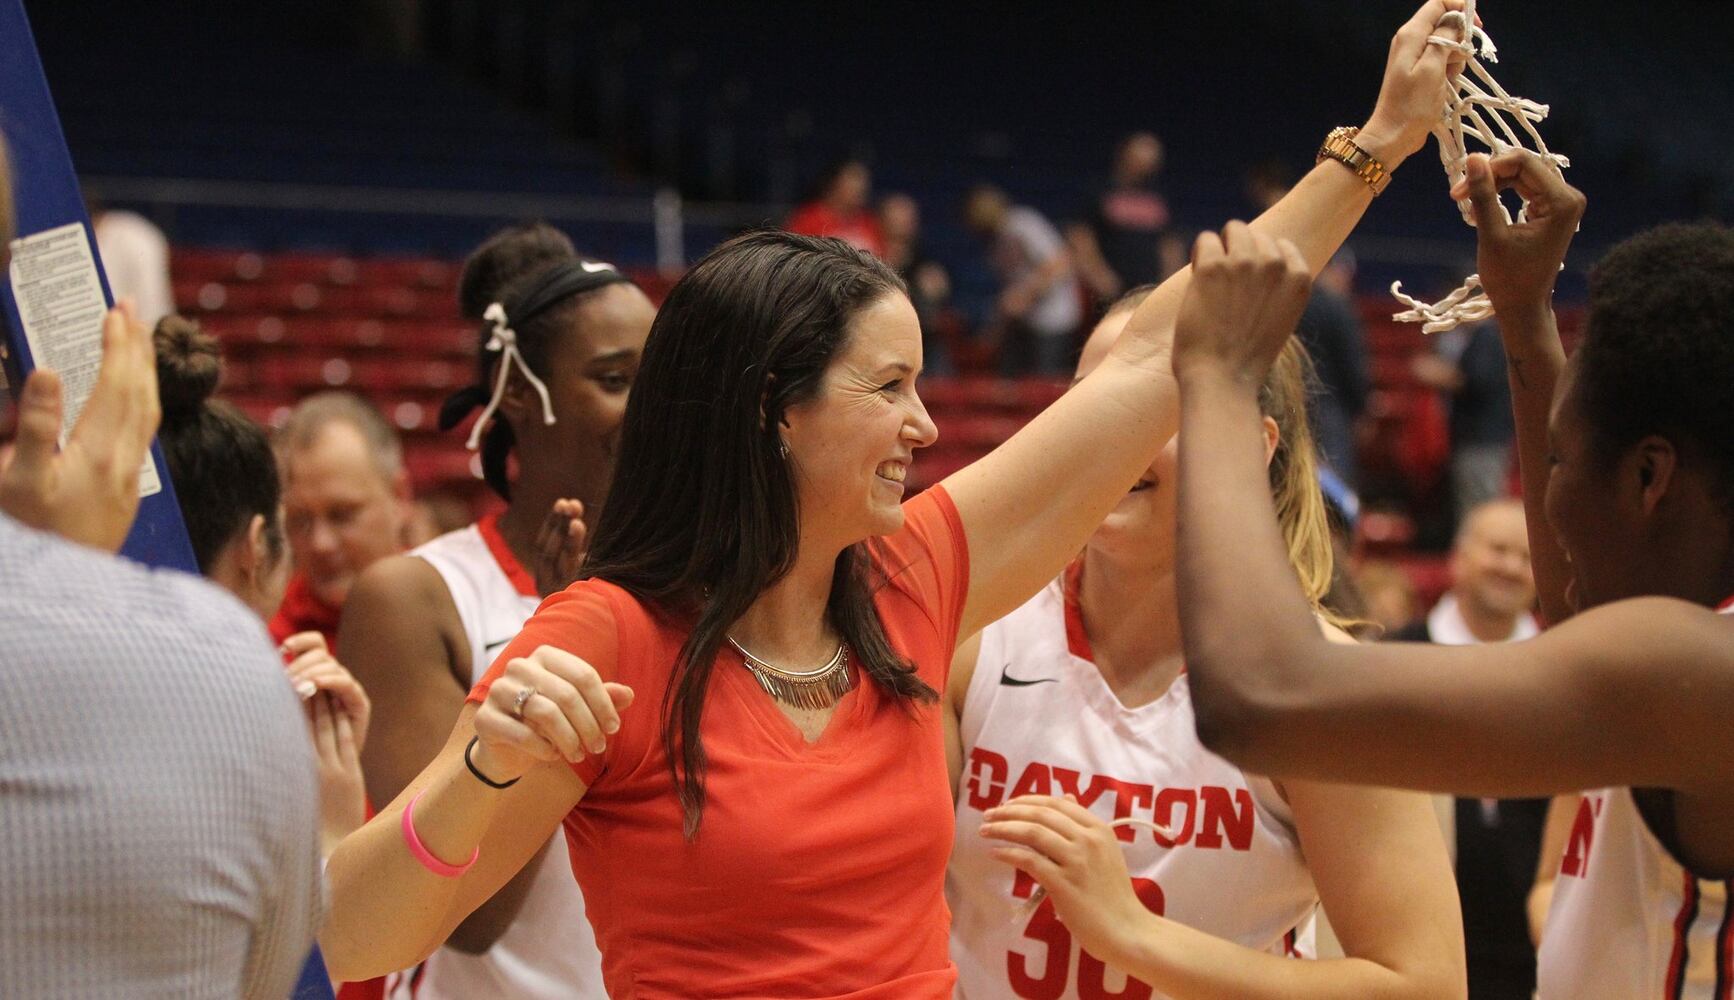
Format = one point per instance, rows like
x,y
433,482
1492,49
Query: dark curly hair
x,y
1658,349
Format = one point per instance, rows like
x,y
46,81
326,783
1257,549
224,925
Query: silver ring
x,y
518,703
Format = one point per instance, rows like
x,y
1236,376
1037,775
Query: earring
x,y
783,449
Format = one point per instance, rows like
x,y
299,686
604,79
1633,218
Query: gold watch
x,y
1340,146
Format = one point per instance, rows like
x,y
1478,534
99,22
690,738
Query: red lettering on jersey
x,y
1223,816
987,775
1036,780
1126,795
1575,861
1163,814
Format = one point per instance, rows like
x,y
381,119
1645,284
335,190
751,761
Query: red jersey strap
x,y
1726,606
489,527
1077,640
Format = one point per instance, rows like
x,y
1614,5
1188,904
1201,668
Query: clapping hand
x,y
87,491
560,545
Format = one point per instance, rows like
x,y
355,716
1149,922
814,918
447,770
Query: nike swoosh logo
x,y
1008,680
596,267
490,647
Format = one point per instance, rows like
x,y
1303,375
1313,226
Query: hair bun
x,y
188,366
508,257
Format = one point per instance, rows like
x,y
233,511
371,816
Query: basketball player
x,y
420,629
1083,692
1627,456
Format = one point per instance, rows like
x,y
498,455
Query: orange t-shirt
x,y
819,869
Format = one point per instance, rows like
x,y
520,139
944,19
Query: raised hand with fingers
x,y
548,706
560,545
1415,87
1520,261
1246,295
87,491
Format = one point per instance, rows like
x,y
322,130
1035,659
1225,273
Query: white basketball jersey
x,y
1628,922
549,952
1040,719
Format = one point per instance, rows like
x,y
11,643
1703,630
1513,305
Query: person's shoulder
x,y
401,579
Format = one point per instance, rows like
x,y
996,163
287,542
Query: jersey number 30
x,y
1048,982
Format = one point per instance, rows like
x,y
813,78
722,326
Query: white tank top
x,y
549,952
1039,718
1628,921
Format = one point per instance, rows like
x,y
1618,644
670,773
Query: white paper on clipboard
x,y
60,300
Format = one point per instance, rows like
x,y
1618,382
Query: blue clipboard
x,y
46,199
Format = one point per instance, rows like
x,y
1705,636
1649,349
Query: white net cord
x,y
1482,110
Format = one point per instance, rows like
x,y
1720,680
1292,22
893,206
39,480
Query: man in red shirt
x,y
346,501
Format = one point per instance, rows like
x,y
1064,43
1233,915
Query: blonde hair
x,y
1294,477
1294,467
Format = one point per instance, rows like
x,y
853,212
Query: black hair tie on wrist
x,y
484,779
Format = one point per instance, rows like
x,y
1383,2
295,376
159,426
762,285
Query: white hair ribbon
x,y
1474,111
504,341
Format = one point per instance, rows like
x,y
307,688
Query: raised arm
x,y
1579,707
1519,264
1029,506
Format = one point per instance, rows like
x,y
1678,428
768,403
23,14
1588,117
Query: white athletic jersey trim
x,y
1039,719
1628,921
549,952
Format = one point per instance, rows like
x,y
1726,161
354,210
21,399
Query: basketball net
x,y
1480,110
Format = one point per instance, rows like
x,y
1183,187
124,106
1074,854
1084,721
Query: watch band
x,y
1340,145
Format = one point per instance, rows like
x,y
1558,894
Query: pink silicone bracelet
x,y
420,851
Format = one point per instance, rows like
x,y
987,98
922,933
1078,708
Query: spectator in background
x,y
1388,593
928,283
1498,840
1039,308
840,208
1468,365
135,256
1331,330
156,794
1123,237
346,502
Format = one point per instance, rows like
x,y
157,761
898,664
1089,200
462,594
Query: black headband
x,y
561,282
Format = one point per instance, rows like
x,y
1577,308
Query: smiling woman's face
x,y
851,445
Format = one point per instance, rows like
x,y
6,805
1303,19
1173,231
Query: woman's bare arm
x,y
1029,505
406,644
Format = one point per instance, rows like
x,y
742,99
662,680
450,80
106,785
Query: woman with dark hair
x,y
1627,455
559,347
1083,691
775,819
225,481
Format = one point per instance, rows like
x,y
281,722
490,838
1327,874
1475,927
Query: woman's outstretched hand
x,y
1416,87
1246,295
